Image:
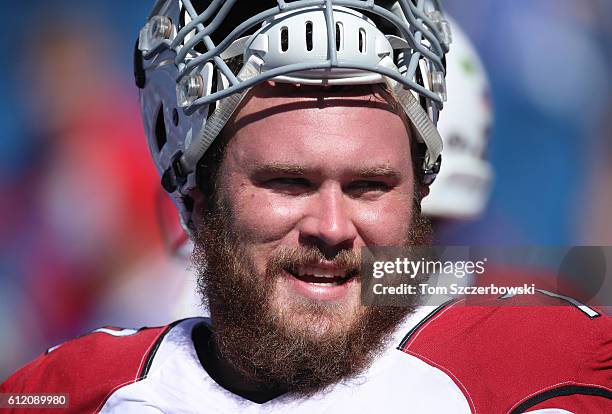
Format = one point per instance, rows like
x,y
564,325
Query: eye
x,y
366,187
288,185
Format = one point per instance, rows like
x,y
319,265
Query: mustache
x,y
291,258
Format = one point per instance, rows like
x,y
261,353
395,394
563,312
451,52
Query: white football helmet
x,y
185,67
462,187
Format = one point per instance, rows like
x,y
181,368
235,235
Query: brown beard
x,y
252,335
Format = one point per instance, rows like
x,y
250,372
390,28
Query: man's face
x,y
334,173
309,177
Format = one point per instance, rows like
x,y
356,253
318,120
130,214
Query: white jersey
x,y
395,380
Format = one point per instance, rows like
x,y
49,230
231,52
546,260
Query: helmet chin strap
x,y
422,125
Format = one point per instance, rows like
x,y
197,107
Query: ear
x,y
423,191
200,206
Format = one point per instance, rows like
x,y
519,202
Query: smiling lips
x,y
322,282
322,275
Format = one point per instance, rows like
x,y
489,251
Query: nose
x,y
328,223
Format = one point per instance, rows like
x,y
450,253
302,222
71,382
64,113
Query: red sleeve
x,y
89,368
513,357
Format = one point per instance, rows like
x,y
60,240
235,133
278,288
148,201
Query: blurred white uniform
x,y
461,189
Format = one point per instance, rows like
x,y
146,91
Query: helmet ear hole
x,y
160,129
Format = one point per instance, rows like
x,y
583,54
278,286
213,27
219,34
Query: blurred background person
x,y
549,78
462,188
83,233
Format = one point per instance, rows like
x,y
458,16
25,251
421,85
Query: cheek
x,y
385,223
264,217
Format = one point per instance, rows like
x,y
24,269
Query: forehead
x,y
343,125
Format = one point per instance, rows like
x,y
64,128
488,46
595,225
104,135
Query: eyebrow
x,y
280,168
383,171
377,171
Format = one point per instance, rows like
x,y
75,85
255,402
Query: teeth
x,y
325,284
320,272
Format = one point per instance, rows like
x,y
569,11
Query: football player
x,y
292,135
